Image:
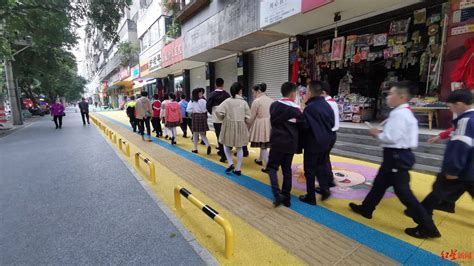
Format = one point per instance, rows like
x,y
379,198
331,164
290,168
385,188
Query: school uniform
x,y
333,104
285,119
155,118
399,136
215,98
458,161
319,138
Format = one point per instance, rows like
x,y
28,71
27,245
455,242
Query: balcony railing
x,y
190,9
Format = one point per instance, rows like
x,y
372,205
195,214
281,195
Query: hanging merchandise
x,y
380,39
326,47
419,16
337,52
364,52
399,26
433,19
345,84
350,46
357,57
294,70
364,40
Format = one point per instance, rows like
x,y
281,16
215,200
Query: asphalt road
x,y
66,198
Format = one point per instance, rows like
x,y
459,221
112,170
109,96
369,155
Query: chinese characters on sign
x,y
172,53
454,255
155,61
272,11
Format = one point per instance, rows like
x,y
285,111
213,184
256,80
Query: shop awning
x,y
174,69
124,83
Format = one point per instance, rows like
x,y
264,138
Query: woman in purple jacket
x,y
57,112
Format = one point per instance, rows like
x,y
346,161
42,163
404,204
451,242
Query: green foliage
x,y
128,53
47,67
174,29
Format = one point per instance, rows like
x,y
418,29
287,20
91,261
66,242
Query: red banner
x,y
172,53
308,5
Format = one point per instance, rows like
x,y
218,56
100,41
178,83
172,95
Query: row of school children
x,y
284,128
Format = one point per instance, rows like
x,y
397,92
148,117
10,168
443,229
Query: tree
x,y
47,67
128,53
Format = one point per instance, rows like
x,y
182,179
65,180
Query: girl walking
x,y
173,117
234,113
197,108
260,124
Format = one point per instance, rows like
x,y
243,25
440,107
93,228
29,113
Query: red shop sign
x,y
125,73
172,53
308,5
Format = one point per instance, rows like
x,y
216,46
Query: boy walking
x,y
319,137
457,172
183,105
285,115
399,136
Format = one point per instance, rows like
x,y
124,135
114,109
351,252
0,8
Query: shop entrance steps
x,y
356,143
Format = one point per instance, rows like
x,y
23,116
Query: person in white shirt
x,y
399,136
166,99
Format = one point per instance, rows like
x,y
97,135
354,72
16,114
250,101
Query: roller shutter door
x,y
227,69
198,77
270,65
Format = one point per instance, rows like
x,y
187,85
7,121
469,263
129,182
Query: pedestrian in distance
x,y
183,105
84,108
286,120
155,118
173,117
457,172
130,110
199,126
398,138
57,112
260,125
234,113
162,114
218,96
143,115
318,138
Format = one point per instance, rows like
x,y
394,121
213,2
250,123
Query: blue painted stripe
x,y
390,246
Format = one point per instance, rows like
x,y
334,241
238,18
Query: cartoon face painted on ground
x,y
353,181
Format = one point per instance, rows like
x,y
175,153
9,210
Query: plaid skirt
x,y
199,122
172,124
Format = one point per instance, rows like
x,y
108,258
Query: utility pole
x,y
17,118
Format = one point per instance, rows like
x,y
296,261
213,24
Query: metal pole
x,y
17,119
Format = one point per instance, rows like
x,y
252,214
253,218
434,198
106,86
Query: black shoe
x,y
360,210
222,160
265,170
239,173
229,169
422,232
208,150
246,154
166,137
307,199
286,201
258,162
278,200
219,153
325,193
195,151
157,135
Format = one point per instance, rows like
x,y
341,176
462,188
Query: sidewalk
x,y
67,198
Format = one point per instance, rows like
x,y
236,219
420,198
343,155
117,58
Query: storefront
x,y
198,77
269,65
227,70
359,60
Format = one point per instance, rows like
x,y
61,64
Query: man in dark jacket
x,y
214,99
319,136
285,118
84,108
